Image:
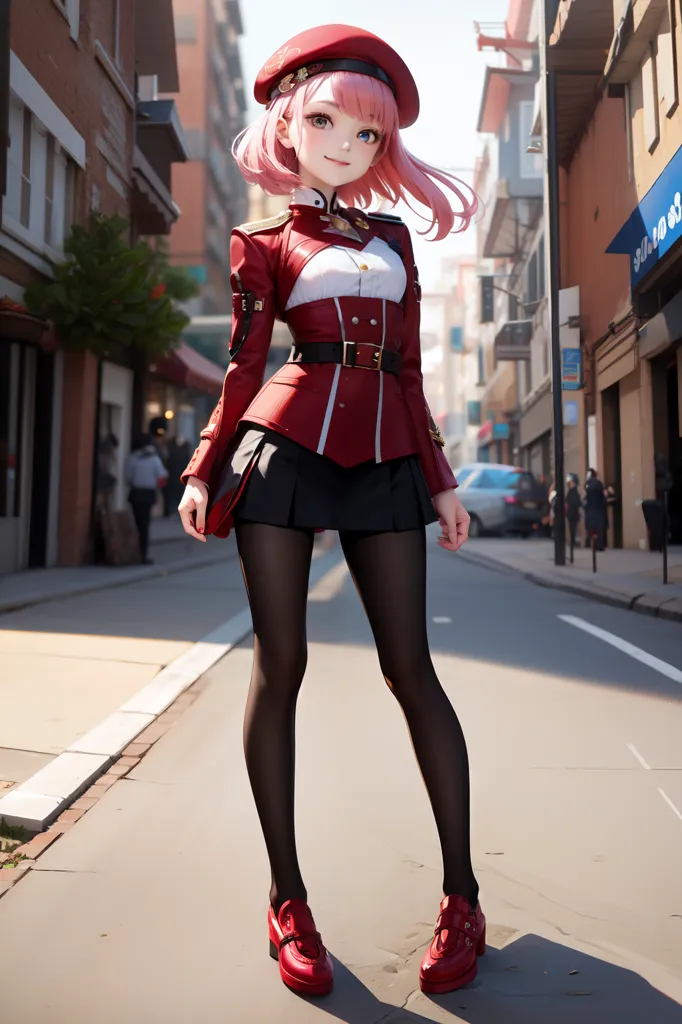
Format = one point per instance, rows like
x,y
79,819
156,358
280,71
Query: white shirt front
x,y
375,272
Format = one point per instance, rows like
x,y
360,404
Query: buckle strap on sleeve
x,y
244,304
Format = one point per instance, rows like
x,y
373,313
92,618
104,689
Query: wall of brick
x,y
93,86
95,95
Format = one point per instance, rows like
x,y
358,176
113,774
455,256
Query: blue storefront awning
x,y
655,225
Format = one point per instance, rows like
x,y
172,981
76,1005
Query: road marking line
x,y
635,652
669,802
633,750
441,619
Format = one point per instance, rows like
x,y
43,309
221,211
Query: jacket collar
x,y
305,196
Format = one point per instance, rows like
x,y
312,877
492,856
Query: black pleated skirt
x,y
288,485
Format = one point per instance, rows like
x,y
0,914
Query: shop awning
x,y
189,369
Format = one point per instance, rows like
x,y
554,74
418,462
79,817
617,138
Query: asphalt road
x,y
152,908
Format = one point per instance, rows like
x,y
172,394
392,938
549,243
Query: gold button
x,y
374,322
355,320
363,266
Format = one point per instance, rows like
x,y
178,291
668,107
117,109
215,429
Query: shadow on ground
x,y
530,981
495,617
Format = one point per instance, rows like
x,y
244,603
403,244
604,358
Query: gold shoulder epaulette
x,y
390,217
267,224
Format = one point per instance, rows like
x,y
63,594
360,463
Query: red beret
x,y
338,48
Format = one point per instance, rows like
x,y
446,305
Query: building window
x,y
185,28
116,25
110,28
71,11
530,164
541,267
628,130
49,189
25,211
650,97
532,280
40,183
666,62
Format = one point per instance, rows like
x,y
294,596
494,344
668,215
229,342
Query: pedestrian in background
x,y
573,506
145,473
595,508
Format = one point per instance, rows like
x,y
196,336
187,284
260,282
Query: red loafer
x,y
450,961
304,963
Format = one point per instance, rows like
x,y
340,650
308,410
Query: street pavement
x,y
626,578
68,663
152,907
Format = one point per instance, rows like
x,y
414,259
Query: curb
x,y
44,798
37,802
580,589
126,576
17,863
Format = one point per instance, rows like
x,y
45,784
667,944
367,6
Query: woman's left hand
x,y
454,520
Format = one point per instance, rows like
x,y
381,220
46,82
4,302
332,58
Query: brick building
x,y
79,138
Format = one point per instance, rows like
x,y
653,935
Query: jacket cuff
x,y
201,463
438,474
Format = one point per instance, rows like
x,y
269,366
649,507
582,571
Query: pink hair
x,y
397,175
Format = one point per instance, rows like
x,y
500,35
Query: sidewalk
x,y
89,672
88,640
628,579
170,548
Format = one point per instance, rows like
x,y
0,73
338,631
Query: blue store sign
x,y
571,369
456,339
655,225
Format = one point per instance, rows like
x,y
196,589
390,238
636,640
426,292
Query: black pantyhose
x,y
389,571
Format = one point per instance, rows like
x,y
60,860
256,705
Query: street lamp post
x,y
551,202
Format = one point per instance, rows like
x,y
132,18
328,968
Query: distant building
x,y
209,187
514,381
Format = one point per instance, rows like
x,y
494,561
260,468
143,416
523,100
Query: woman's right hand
x,y
192,508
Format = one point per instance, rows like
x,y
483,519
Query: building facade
x,y
209,187
622,230
513,355
82,136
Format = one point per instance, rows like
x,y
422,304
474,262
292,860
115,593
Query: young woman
x,y
343,440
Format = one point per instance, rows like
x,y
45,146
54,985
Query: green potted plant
x,y
107,295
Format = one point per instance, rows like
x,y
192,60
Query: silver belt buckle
x,y
349,347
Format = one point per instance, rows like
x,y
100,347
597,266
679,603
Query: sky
x,y
437,40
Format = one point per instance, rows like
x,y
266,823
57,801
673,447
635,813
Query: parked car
x,y
500,499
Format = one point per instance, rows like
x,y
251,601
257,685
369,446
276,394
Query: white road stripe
x,y
635,652
669,802
442,619
635,752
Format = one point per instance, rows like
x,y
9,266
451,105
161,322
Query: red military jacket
x,y
348,413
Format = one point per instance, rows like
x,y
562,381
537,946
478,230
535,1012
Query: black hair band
x,y
317,67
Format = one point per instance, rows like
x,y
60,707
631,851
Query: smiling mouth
x,y
341,163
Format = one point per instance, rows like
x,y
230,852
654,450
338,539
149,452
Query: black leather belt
x,y
361,354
